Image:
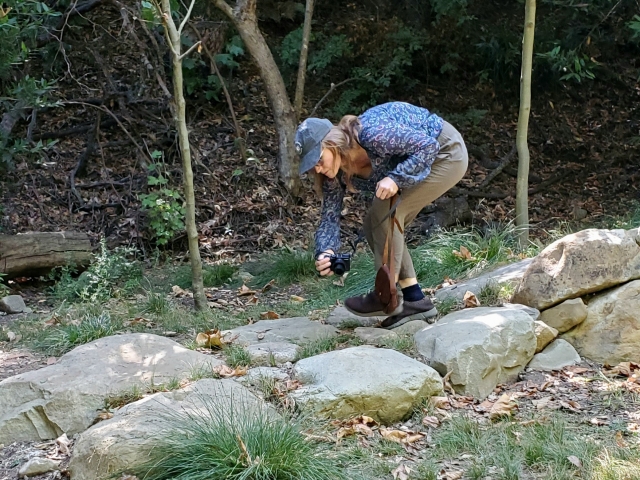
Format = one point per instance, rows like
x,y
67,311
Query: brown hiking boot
x,y
420,310
368,305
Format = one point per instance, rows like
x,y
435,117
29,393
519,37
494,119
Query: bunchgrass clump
x,y
495,294
212,275
59,339
402,343
325,344
157,304
285,267
236,356
231,438
448,305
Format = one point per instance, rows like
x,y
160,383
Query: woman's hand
x,y
386,188
323,263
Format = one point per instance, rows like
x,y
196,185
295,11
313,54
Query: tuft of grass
x,y
403,344
326,344
121,399
236,356
285,267
60,339
448,305
212,275
495,294
157,303
234,440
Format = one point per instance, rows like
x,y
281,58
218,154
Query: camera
x,y
340,263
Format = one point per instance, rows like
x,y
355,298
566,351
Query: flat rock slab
x,y
375,336
611,332
38,466
257,375
411,328
277,352
12,304
556,356
65,397
511,274
565,316
296,329
341,317
580,263
481,347
123,442
381,383
544,335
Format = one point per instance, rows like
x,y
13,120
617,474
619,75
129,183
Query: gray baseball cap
x,y
308,141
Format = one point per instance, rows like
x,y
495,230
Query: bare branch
x,y
333,87
224,6
193,47
186,17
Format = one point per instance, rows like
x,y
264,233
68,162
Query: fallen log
x,y
37,253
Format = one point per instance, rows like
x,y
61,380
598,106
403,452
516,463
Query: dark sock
x,y
412,293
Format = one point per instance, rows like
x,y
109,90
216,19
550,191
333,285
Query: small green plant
x,y
569,65
326,344
60,339
4,290
286,267
495,294
163,205
212,275
236,356
236,439
158,304
447,305
403,344
112,273
634,26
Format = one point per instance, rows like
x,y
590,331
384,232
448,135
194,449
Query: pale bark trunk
x,y
244,18
173,35
304,54
522,187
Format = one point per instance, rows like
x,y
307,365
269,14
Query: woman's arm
x,y
328,232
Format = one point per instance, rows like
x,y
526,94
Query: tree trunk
x,y
173,36
304,54
244,18
35,254
522,197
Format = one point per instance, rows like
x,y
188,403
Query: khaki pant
x,y
447,170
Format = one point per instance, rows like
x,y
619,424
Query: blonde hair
x,y
342,141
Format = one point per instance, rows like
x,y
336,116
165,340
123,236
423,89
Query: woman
x,y
389,148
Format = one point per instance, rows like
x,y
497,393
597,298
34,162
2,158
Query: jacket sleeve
x,y
328,233
419,148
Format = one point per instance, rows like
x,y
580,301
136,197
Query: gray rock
x,y
297,329
124,442
411,328
611,332
256,375
556,356
565,316
341,317
381,383
511,273
12,304
481,347
534,313
38,466
374,336
64,397
580,263
278,352
544,335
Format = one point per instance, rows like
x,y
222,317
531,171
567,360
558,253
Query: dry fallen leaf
x,y
210,339
620,441
63,442
179,292
11,336
268,286
244,291
624,369
484,406
452,475
504,406
470,300
446,384
227,372
401,436
542,403
440,402
599,422
571,405
430,421
463,254
51,360
401,473
575,460
105,415
270,315
296,298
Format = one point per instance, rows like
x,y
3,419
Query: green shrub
x,y
235,440
4,290
286,267
212,275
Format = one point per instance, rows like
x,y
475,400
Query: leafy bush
x,y
212,275
634,26
235,440
111,274
164,206
569,65
4,290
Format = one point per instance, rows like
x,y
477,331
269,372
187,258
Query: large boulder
x,y
124,442
510,274
611,332
481,347
297,330
12,304
556,356
381,383
565,316
65,397
580,263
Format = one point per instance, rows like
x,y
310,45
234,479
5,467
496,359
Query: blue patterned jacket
x,y
401,141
